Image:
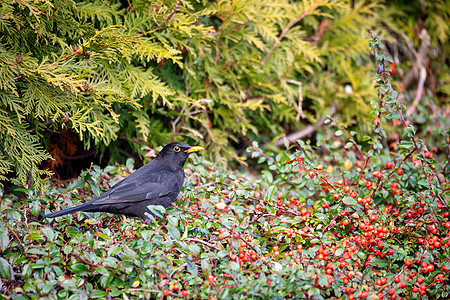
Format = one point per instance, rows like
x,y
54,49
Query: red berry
x,y
336,196
166,293
400,171
185,293
439,277
311,174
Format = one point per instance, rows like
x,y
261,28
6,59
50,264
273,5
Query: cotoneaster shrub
x,y
348,218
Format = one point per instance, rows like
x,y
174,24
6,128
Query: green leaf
x,y
4,240
110,262
269,192
172,220
379,262
234,266
194,248
174,232
321,217
339,252
423,182
5,268
348,145
107,278
79,268
349,201
49,233
405,145
36,251
411,130
206,266
192,268
157,210
129,164
67,249
222,253
267,176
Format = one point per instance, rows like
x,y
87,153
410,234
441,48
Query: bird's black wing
x,y
139,189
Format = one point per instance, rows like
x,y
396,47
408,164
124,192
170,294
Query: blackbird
x,y
157,183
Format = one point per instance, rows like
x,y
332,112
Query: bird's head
x,y
177,153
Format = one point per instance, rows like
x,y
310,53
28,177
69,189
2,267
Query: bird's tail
x,y
82,207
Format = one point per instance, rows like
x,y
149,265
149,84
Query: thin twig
x,y
174,10
177,269
307,131
260,152
15,234
202,242
286,29
416,101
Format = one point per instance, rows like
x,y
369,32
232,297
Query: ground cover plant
x,y
348,218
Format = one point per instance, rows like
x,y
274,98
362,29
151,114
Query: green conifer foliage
x,y
146,72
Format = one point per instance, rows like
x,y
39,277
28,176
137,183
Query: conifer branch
x,y
287,28
174,10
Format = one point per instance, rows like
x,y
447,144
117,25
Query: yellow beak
x,y
194,149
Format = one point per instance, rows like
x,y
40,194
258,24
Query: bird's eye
x,y
176,149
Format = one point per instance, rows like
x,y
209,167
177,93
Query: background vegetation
x,y
101,81
357,210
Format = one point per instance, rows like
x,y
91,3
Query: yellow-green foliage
x,y
149,71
